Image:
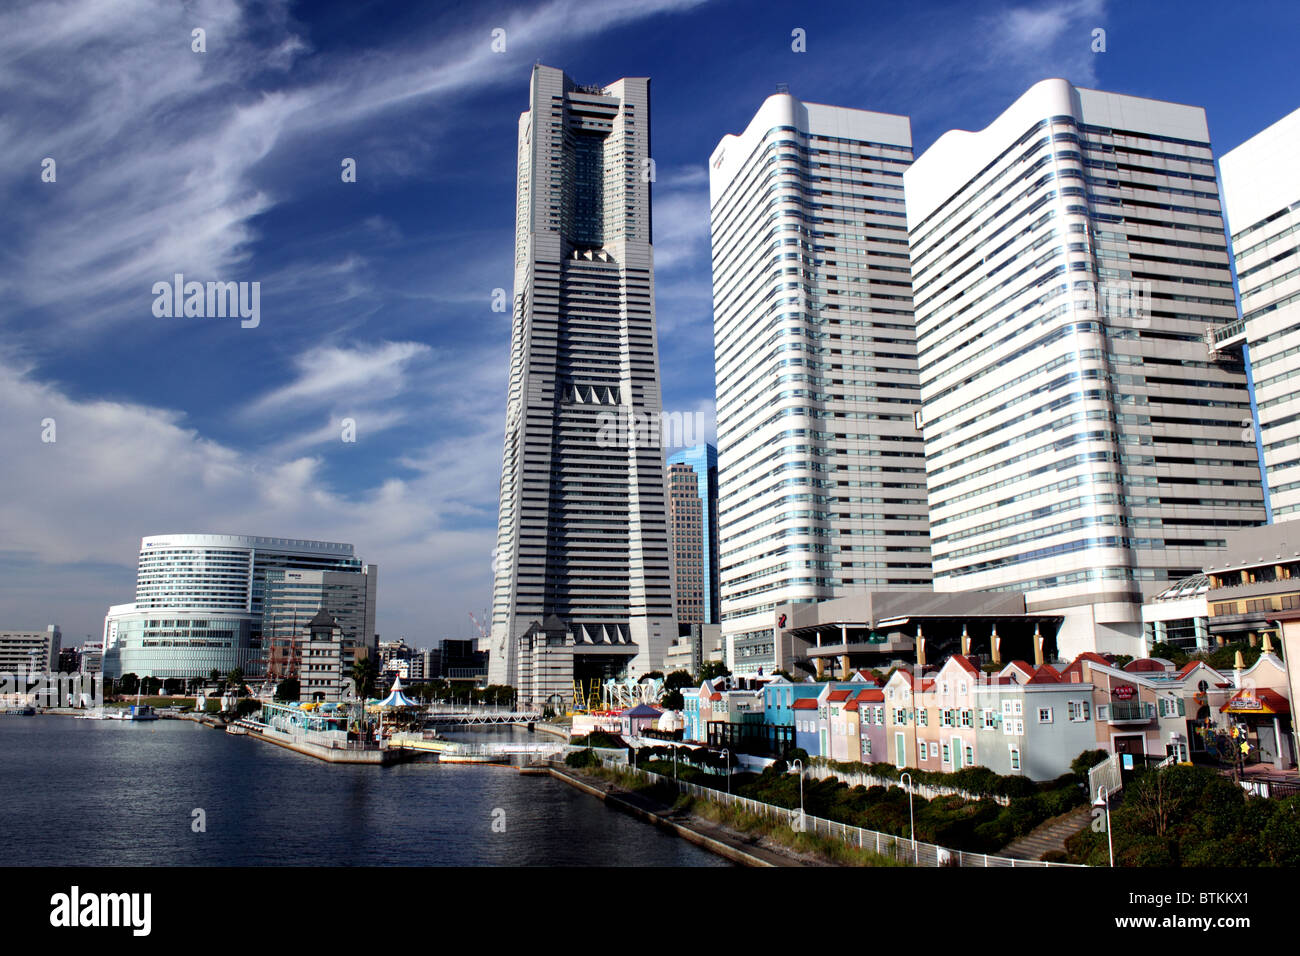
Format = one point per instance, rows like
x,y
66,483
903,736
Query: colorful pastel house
x,y
833,725
698,710
806,729
871,725
1032,725
901,728
640,718
1142,709
1260,704
779,696
952,707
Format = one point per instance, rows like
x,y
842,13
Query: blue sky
x,y
376,295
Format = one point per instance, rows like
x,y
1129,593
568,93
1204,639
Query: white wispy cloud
x,y
118,471
156,145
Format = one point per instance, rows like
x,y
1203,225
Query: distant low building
x,y
327,657
28,652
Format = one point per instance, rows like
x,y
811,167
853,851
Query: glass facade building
x,y
199,602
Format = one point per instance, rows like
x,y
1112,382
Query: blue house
x,y
806,724
778,700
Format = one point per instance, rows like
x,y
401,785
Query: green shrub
x,y
582,758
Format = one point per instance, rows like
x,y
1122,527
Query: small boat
x,y
20,712
141,712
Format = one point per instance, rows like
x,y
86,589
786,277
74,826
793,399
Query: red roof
x,y
851,705
964,663
838,695
715,696
1046,674
1144,665
1269,702
1023,665
805,703
872,696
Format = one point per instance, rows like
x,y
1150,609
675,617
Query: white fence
x,y
822,772
885,844
1105,774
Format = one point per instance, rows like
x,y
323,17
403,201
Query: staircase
x,y
1049,835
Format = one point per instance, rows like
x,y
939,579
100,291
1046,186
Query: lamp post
x,y
674,762
727,754
1104,794
800,763
911,819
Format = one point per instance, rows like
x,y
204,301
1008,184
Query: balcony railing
x,y
1129,711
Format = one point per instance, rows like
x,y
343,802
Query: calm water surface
x,y
94,792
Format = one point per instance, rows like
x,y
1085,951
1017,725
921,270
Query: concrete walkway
x,y
744,849
1048,835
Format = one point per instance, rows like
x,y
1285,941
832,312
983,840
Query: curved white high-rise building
x,y
1261,194
821,473
1083,445
199,601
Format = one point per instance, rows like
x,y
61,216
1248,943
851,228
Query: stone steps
x,y
1048,836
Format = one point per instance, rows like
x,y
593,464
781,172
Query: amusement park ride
x,y
615,694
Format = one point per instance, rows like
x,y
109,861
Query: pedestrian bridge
x,y
472,717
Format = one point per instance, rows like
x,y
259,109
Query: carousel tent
x,y
396,698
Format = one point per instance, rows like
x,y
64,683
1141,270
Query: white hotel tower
x,y
582,540
820,466
1261,195
1083,444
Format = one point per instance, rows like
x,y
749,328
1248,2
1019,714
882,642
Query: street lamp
x,y
1104,795
727,754
911,819
800,763
674,762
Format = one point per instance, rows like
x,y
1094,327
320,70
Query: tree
x,y
1168,652
236,678
677,680
129,684
365,670
711,670
288,689
1081,764
673,700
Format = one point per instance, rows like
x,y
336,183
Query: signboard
x,y
1123,692
1246,703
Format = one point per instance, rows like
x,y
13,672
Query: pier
x,y
455,751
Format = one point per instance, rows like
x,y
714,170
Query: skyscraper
x,y
1261,195
693,527
821,468
582,541
1083,445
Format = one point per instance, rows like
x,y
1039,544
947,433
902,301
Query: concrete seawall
x,y
620,802
328,754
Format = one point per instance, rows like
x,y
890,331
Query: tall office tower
x,y
1261,195
693,530
821,477
1083,446
582,540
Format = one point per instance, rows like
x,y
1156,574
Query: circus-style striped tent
x,y
396,698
